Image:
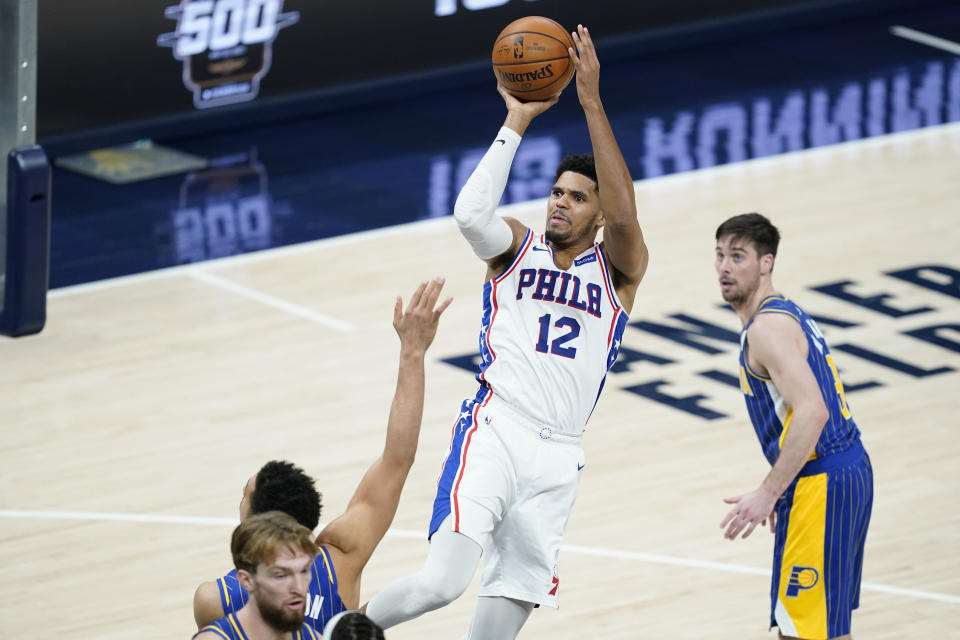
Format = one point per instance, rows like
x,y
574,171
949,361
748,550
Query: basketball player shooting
x,y
554,308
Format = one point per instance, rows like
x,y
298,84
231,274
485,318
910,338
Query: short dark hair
x,y
752,227
581,163
356,626
283,486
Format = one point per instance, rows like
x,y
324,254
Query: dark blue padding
x,y
28,242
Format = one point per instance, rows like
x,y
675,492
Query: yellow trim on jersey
x,y
326,563
744,383
755,375
781,311
783,434
309,629
235,624
224,590
218,630
786,426
764,302
838,386
804,548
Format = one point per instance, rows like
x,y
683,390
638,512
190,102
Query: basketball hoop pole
x,y
18,88
24,176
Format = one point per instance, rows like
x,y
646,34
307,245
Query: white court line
x,y
270,301
925,38
619,554
899,137
654,558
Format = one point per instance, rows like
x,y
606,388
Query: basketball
x,y
530,58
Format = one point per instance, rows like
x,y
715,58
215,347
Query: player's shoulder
x,y
771,326
206,603
773,336
770,322
521,233
515,224
335,552
621,277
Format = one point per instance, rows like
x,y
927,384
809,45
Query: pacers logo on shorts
x,y
801,579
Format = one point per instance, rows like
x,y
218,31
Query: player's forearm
x,y
805,428
616,186
475,209
406,410
517,121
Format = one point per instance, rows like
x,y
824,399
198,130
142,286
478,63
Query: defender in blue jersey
x,y
323,600
346,544
818,495
273,555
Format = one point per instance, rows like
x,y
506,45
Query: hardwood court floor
x,y
132,422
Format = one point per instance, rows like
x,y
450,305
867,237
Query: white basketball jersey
x,y
549,336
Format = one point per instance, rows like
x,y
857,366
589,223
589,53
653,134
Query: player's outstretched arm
x,y
779,346
352,537
622,237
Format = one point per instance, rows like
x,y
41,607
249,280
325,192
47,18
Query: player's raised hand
x,y
417,326
587,65
529,109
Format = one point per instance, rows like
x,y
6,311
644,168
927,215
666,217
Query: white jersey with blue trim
x,y
550,335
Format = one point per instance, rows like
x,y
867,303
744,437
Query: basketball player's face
x,y
280,589
573,209
738,269
247,497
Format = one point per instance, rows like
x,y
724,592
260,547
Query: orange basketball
x,y
531,60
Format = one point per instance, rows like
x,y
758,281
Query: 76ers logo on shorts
x,y
555,582
801,579
225,46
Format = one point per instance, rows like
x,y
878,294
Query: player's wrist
x,y
517,121
592,104
770,490
412,353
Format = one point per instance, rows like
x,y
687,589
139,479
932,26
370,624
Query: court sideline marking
x,y
619,554
270,301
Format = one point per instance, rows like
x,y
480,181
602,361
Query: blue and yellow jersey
x,y
229,628
323,597
769,412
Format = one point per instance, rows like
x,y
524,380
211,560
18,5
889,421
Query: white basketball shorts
x,y
509,484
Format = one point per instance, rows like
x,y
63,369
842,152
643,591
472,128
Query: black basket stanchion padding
x,y
28,242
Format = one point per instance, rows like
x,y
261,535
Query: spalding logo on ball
x,y
530,58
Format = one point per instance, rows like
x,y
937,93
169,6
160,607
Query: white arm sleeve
x,y
475,209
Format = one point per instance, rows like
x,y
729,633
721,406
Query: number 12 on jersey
x,y
557,347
